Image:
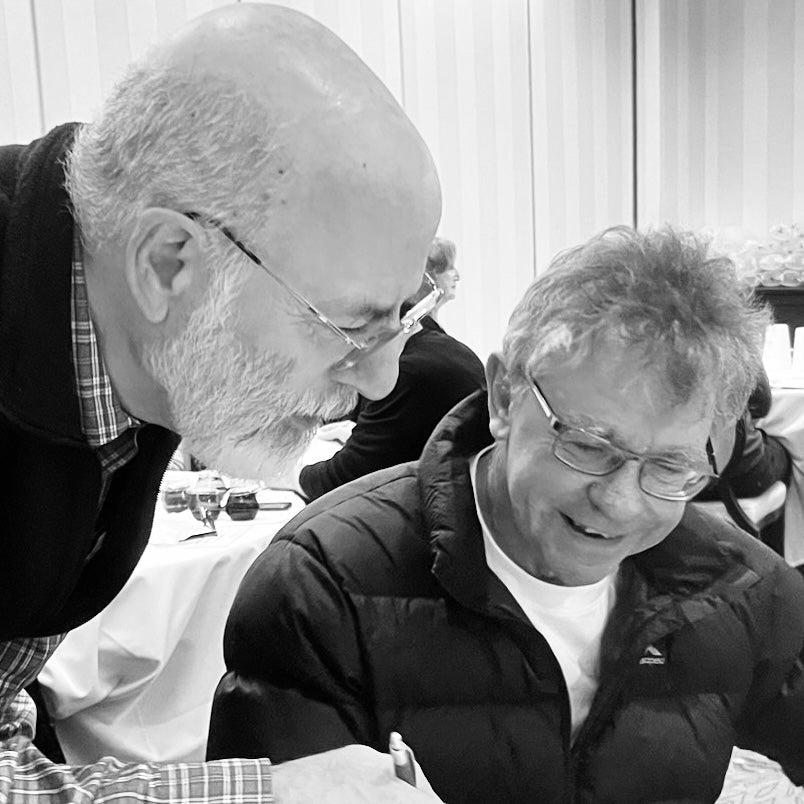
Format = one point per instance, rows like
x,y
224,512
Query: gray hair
x,y
660,291
168,137
441,256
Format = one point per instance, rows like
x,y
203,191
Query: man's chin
x,y
265,459
267,467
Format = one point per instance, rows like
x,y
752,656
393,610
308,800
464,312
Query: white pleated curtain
x,y
721,99
527,106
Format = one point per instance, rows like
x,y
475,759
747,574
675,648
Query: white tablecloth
x,y
136,682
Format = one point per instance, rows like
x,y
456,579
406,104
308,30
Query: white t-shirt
x,y
571,618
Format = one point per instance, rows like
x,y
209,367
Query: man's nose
x,y
618,494
375,375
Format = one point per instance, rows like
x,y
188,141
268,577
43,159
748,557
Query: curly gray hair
x,y
660,291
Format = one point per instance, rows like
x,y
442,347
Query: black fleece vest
x,y
49,477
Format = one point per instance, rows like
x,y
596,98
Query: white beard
x,y
233,408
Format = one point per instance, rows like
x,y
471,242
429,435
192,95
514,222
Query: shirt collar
x,y
102,416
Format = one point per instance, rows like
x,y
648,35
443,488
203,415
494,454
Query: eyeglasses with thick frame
x,y
658,477
358,350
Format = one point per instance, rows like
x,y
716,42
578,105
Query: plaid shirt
x,y
109,430
25,775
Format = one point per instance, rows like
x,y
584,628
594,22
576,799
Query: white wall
x,y
525,104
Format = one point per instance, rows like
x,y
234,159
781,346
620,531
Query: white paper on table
x,y
755,779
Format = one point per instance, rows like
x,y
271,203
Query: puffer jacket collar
x,y
459,561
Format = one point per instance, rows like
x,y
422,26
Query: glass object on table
x,y
242,504
174,497
207,498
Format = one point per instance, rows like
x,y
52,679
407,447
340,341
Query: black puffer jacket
x,y
374,610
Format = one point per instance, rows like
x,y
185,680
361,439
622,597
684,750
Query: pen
x,y
403,759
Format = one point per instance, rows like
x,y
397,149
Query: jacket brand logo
x,y
652,655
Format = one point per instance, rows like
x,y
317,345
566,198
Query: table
x,y
136,682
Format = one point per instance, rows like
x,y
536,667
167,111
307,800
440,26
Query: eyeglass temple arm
x,y
229,235
540,399
710,454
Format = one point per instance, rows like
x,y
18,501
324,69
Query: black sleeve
x,y
760,400
434,375
758,460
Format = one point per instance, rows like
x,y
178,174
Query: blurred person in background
x,y
752,462
197,262
441,267
436,371
533,604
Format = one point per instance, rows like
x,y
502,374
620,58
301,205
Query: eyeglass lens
x,y
585,453
406,324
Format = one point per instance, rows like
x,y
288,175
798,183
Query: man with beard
x,y
198,262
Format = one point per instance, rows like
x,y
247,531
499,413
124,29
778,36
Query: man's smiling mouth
x,y
584,531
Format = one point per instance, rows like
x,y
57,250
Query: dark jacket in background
x,y
435,373
757,460
49,476
374,610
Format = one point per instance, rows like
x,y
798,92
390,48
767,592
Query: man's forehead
x,y
631,406
681,445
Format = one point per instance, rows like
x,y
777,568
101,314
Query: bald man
x,y
200,262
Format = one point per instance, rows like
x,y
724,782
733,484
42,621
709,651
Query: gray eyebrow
x,y
674,454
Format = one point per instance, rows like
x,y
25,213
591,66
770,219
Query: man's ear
x,y
163,259
723,436
499,396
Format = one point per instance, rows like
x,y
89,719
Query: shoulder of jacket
x,y
343,507
370,541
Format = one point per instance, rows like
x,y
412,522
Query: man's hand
x,y
355,774
19,742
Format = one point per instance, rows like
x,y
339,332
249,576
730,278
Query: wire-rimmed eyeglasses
x,y
358,350
592,454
